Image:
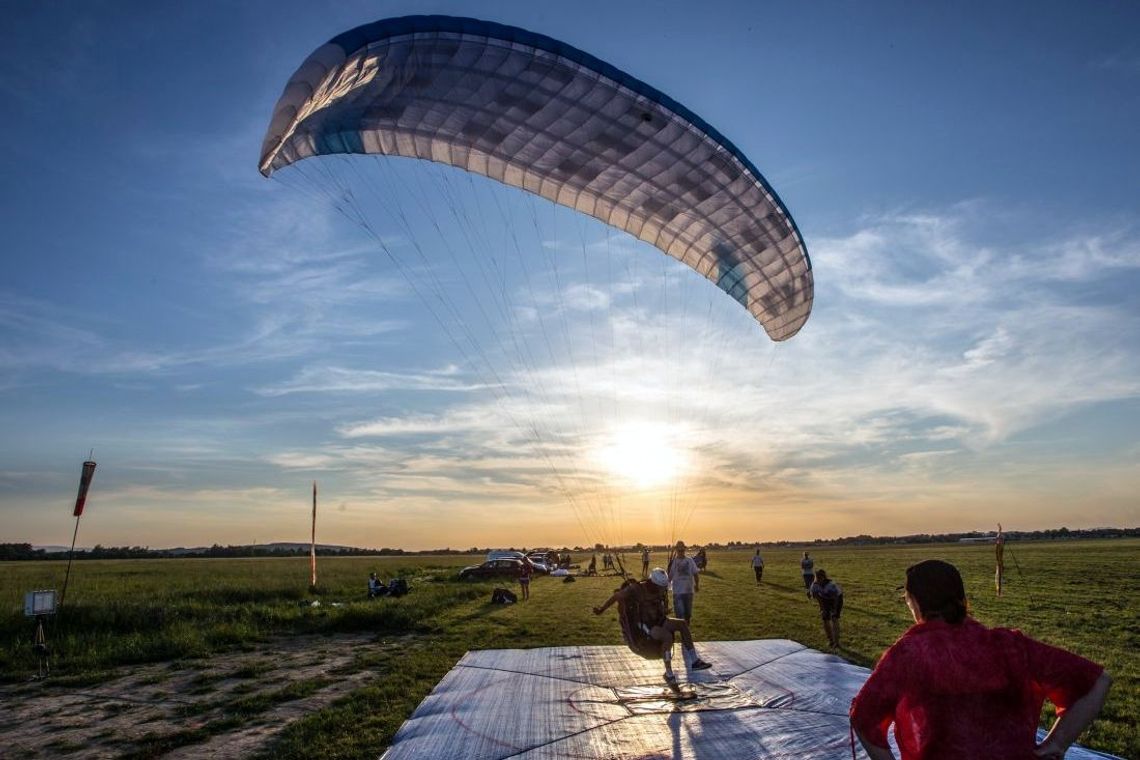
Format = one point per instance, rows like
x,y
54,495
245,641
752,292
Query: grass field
x,y
205,640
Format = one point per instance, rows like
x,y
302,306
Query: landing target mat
x,y
761,699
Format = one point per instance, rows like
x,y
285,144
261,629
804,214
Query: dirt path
x,y
227,706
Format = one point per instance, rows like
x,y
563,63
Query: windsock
x,y
84,484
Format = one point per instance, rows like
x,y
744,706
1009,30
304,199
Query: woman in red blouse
x,y
956,689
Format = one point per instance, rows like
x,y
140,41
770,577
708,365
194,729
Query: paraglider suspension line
x,y
1020,575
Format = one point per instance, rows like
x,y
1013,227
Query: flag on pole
x,y
313,545
84,484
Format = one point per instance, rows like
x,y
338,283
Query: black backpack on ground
x,y
503,596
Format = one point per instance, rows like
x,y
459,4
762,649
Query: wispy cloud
x,y
1125,61
345,380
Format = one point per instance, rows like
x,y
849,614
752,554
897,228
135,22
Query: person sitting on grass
x,y
956,689
376,586
830,597
646,626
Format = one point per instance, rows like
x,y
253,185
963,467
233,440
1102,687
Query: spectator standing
x,y
685,577
954,688
526,572
830,597
758,566
807,569
644,562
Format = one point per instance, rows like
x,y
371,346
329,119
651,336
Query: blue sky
x,y
964,177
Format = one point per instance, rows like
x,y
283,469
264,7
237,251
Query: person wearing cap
x,y
653,628
686,579
956,689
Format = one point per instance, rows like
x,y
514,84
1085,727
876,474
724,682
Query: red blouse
x,y
967,691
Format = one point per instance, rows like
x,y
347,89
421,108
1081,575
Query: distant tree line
x,y
17,551
10,552
1052,534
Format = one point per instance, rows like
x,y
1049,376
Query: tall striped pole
x,y
313,545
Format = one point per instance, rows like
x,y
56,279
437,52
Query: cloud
x,y
932,354
465,420
302,461
345,380
1076,259
1124,61
860,395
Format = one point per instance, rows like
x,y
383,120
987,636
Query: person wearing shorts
x,y
526,572
652,629
830,597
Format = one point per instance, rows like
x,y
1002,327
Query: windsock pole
x,y
80,501
313,545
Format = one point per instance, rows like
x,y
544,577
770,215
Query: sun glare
x,y
642,454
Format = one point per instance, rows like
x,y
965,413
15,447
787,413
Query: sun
x,y
645,455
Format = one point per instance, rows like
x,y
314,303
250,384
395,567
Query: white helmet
x,y
659,577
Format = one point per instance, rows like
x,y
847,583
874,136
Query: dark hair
x,y
938,590
821,575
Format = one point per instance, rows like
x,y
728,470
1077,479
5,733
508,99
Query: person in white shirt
x,y
758,566
685,577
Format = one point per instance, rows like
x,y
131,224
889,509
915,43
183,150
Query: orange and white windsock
x,y
84,484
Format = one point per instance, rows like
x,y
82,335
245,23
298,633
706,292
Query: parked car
x,y
507,567
543,561
504,554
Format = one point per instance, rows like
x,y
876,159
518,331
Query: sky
x,y
964,177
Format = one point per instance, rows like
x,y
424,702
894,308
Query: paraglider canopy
x,y
538,114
